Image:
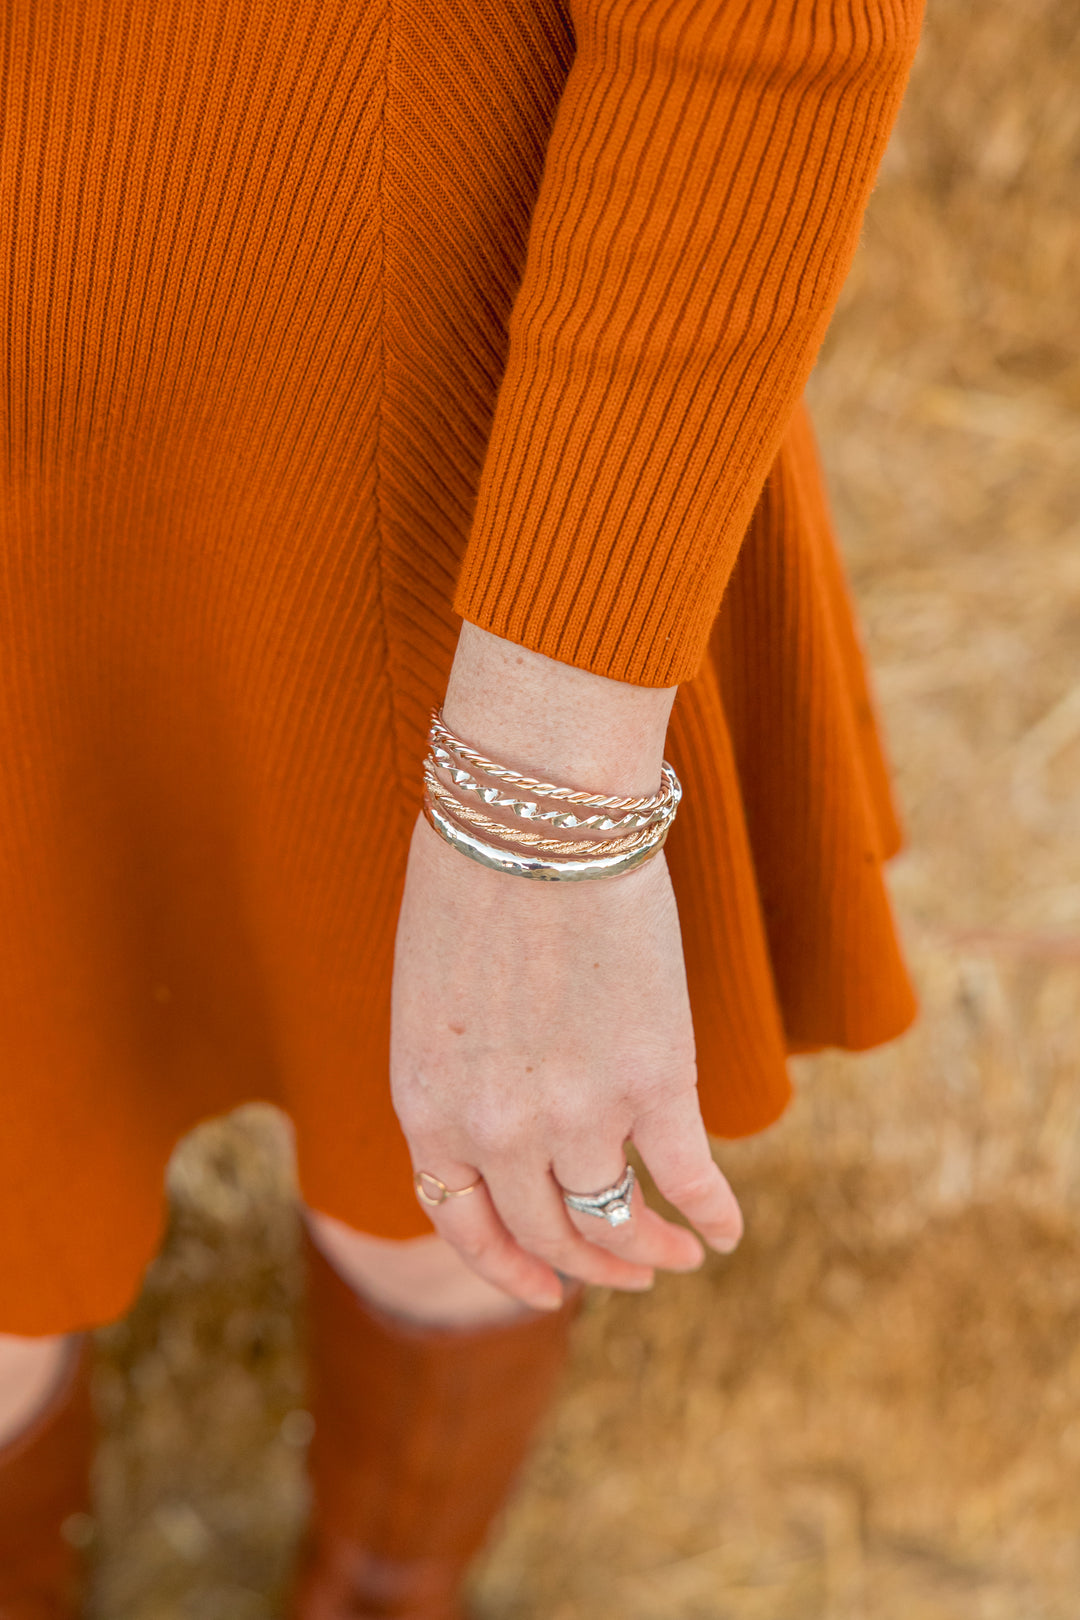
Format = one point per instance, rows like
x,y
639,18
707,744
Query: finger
x,y
675,1149
470,1224
530,1206
646,1237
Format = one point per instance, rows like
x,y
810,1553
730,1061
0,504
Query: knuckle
x,y
693,1187
575,1113
478,1248
417,1112
496,1131
664,1085
421,1130
552,1249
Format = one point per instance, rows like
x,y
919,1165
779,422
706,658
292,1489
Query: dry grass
x,y
873,1409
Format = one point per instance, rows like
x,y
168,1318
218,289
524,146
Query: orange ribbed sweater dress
x,y
326,324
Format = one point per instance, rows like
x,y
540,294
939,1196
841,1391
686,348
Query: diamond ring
x,y
611,1205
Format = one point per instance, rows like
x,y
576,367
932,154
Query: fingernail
x,y
641,1285
548,1302
725,1245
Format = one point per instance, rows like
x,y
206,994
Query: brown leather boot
x,y
44,1480
419,1433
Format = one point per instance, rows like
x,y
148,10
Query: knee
x,y
30,1370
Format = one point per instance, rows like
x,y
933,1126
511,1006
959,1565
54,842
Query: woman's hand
x,y
536,1027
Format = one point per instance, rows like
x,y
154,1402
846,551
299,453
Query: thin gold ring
x,y
424,1179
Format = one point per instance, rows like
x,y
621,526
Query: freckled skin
x,y
601,1046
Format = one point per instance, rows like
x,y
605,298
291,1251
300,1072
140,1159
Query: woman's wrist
x,y
536,713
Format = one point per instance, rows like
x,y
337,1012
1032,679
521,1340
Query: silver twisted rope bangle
x,y
543,867
441,734
479,824
529,809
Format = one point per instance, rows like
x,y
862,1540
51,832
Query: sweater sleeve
x,y
703,187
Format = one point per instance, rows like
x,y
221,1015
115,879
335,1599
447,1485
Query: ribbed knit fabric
x,y
327,323
705,178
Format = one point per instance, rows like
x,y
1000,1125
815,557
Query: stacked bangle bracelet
x,y
515,823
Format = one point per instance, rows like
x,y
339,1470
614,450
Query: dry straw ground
x,y
872,1412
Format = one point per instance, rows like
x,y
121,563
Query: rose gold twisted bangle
x,y
530,864
529,809
440,733
555,846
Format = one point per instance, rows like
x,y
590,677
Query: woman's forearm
x,y
533,712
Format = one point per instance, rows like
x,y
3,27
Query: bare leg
x,y
423,1278
30,1370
